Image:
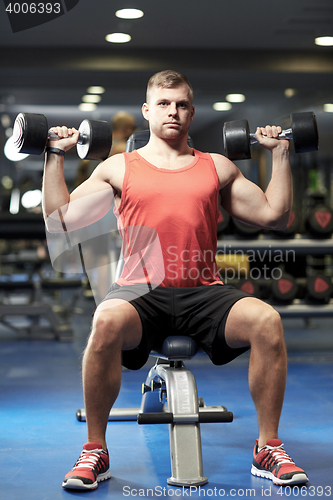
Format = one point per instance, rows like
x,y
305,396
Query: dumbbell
x,y
319,221
319,288
31,133
245,230
284,289
249,286
303,131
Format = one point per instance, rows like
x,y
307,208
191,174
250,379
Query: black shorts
x,y
199,313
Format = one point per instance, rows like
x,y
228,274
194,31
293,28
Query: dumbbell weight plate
x,y
285,288
319,221
293,225
319,288
30,133
246,230
96,140
249,286
305,132
236,140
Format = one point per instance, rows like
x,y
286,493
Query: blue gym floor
x,y
40,387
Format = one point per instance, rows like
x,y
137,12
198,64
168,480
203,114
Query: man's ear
x,y
145,110
192,113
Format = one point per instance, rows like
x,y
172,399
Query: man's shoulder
x,y
218,157
113,161
226,169
222,161
111,170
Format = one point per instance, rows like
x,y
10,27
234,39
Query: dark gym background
x,y
264,50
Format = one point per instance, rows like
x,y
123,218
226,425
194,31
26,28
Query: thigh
x,y
243,318
206,322
150,322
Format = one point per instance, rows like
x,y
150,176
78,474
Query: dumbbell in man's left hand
x,y
68,137
268,138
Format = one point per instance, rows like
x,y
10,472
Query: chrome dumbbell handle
x,y
82,137
285,134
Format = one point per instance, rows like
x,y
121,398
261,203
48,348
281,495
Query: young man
x,y
175,190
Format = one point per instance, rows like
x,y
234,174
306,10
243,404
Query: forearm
x,y
54,189
279,193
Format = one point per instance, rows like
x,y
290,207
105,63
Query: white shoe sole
x,y
77,484
297,479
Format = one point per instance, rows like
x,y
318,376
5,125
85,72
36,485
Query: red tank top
x,y
168,220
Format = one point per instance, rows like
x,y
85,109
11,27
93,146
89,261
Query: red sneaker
x,y
91,468
272,462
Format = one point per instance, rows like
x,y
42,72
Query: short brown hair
x,y
169,79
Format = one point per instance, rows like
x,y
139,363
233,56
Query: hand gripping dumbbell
x,y
303,131
31,133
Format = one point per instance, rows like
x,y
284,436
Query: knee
x,y
269,329
105,334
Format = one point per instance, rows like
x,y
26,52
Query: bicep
x,y
244,200
105,180
238,196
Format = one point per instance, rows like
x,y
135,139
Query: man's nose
x,y
173,109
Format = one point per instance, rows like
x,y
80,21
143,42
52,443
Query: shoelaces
x,y
279,454
88,459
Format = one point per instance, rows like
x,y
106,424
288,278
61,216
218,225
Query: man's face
x,y
169,111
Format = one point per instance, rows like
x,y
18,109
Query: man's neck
x,y
167,148
165,155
